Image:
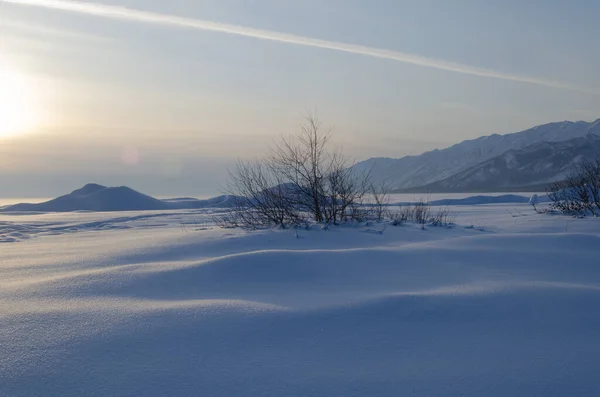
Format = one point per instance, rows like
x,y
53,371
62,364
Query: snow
x,y
160,303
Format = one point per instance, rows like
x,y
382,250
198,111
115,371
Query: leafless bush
x,y
300,180
263,199
401,216
442,217
579,193
381,201
421,211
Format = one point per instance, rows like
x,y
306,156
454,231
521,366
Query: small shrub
x,y
420,212
442,218
381,201
579,193
401,216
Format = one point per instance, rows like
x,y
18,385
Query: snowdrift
x,y
156,311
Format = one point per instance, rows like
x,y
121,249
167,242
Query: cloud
x,y
25,29
128,14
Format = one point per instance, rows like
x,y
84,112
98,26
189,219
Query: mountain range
x,y
525,161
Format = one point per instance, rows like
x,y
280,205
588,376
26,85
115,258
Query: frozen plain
x,y
164,303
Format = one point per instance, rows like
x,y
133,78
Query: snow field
x,y
130,304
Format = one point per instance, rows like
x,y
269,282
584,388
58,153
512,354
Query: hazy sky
x,y
164,95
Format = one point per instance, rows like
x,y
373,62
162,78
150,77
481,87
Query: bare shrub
x,y
442,218
579,193
328,186
420,212
381,201
263,199
401,216
300,180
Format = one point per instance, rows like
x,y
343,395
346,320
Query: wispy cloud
x,y
24,29
170,20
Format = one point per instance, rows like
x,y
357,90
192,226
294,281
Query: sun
x,y
18,113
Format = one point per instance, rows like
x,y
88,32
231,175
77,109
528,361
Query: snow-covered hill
x,y
94,197
437,165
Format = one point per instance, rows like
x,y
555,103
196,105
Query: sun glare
x,y
18,113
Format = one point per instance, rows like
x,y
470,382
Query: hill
x,y
94,197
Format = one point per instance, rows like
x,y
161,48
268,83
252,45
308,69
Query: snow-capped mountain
x,y
527,168
437,165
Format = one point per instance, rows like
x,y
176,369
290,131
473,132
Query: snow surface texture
x,y
163,303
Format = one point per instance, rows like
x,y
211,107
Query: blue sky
x,y
166,108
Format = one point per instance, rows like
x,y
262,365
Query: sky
x,y
164,96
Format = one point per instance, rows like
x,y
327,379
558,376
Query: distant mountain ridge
x,y
422,172
525,169
94,197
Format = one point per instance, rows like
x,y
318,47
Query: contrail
x,y
128,14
